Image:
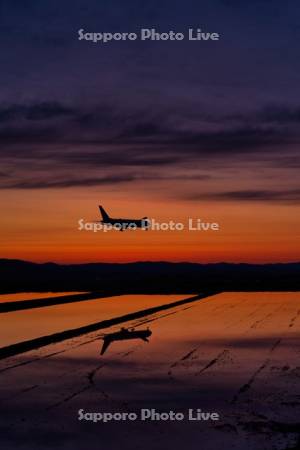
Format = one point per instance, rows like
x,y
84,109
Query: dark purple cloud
x,y
291,196
158,110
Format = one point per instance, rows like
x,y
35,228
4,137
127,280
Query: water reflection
x,y
20,296
124,334
24,325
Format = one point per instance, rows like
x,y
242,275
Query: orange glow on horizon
x,y
45,228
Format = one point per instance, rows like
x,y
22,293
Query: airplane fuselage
x,y
127,223
121,223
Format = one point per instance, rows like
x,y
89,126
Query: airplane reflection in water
x,y
124,334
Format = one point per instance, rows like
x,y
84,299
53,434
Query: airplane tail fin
x,y
104,214
106,343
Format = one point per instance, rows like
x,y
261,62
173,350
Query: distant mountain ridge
x,y
147,277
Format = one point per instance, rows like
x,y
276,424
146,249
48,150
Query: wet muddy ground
x,y
236,354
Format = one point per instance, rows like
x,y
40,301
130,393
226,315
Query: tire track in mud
x,y
68,398
293,319
267,316
89,385
241,320
225,351
34,360
92,373
245,387
90,376
231,325
184,358
20,392
220,357
214,361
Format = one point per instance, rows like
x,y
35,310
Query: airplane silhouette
x,y
123,223
124,334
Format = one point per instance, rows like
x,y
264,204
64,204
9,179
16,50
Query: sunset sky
x,y
168,130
